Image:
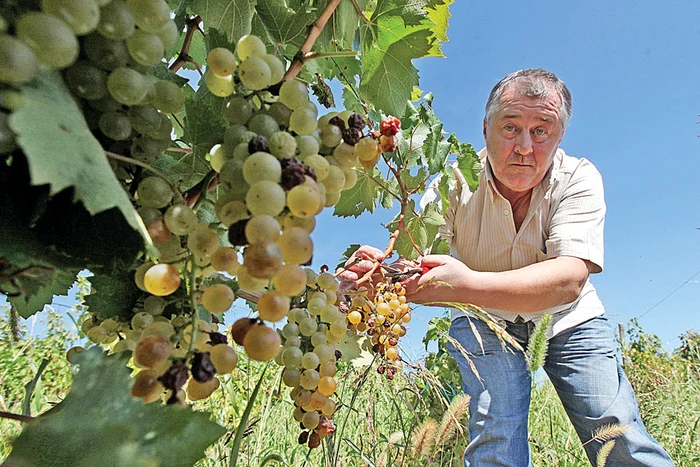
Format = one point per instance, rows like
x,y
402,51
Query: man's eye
x,y
540,131
509,128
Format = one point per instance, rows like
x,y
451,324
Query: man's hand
x,y
444,279
361,262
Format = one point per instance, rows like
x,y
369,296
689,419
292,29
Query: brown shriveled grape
x,y
151,351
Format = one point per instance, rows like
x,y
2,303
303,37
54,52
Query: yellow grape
x,y
329,408
221,61
198,391
354,317
296,245
147,386
290,280
224,358
273,306
262,227
161,279
262,260
151,351
218,298
310,420
391,353
303,200
262,343
202,241
225,259
326,386
221,86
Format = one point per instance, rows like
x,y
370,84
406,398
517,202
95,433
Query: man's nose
x,y
523,143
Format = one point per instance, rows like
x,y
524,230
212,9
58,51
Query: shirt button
x,y
505,212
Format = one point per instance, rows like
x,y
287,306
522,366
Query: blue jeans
x,y
582,366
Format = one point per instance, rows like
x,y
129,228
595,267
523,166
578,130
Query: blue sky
x,y
634,71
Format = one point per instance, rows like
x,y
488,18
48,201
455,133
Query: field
x,y
381,422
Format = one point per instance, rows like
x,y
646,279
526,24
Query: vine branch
x,y
183,56
314,31
16,416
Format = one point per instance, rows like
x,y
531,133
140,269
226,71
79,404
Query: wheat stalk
x,y
604,453
536,352
607,432
451,420
423,438
393,440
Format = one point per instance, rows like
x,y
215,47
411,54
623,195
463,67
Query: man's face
x,y
522,138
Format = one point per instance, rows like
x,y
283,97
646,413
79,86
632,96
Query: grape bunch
x,y
307,348
105,50
383,321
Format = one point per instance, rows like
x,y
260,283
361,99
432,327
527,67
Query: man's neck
x,y
519,202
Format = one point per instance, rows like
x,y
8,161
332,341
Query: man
x,y
522,246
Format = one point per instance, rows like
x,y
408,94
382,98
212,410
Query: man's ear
x,y
484,128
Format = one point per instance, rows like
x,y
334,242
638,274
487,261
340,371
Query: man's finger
x,y
431,261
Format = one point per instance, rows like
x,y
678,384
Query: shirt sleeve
x,y
576,228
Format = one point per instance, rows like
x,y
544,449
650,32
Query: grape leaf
x,y
99,423
440,247
113,293
216,38
360,198
423,229
38,285
439,14
342,26
161,71
63,153
468,162
346,255
232,17
283,24
436,149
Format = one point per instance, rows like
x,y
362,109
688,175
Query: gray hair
x,y
533,82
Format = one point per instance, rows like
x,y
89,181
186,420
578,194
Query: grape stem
x,y
359,12
155,172
314,31
192,25
195,313
208,183
340,53
16,416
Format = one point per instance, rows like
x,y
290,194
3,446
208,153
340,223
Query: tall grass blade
x,y
423,438
604,453
364,456
244,421
272,457
536,352
29,388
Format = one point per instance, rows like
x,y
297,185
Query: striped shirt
x,y
565,218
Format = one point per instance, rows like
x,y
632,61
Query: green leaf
x,y
216,38
341,28
232,17
360,198
99,423
436,149
63,153
349,347
161,71
414,182
284,25
113,293
39,285
351,102
347,254
423,229
467,162
439,14
387,200
440,247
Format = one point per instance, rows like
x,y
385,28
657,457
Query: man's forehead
x,y
514,104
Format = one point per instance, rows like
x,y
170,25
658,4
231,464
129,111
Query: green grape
x,y
335,180
290,377
290,330
262,166
145,48
262,227
309,106
144,118
164,130
240,152
8,140
232,212
276,68
318,338
280,113
254,73
264,125
323,121
105,105
308,224
159,328
147,214
86,81
106,54
101,3
316,304
53,42
350,177
11,99
238,110
325,353
309,380
250,46
273,306
168,34
97,334
326,281
168,97
302,122
153,305
306,145
218,298
310,361
231,178
202,241
154,192
262,260
332,198
180,219
115,125
217,157
345,155
19,65
224,358
303,200
319,164
81,15
265,197
296,245
150,15
294,94
329,312
233,134
282,145
221,86
116,21
141,320
127,86
307,326
221,61
331,135
291,357
262,343
290,280
145,149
